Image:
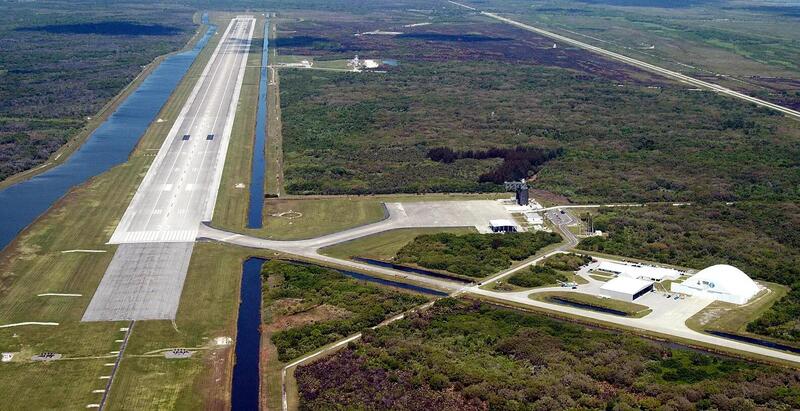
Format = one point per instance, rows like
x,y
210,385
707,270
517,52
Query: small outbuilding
x,y
719,282
626,288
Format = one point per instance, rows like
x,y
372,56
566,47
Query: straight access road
x,y
156,234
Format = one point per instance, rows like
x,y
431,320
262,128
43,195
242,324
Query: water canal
x,y
246,376
109,145
254,213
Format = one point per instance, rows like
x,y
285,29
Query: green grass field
x,y
57,385
301,217
232,202
317,216
732,318
631,309
384,246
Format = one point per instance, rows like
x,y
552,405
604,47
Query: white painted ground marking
x,y
59,295
119,340
109,364
104,377
82,251
26,323
462,5
98,391
93,406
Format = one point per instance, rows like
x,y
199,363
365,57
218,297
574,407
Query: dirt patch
x,y
215,383
289,306
319,313
710,315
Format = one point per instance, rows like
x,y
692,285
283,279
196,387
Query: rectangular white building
x,y
640,271
626,288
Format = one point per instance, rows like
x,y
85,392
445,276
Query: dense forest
x,y
310,306
58,67
473,255
759,238
469,356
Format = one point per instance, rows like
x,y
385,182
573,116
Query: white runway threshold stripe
x,y
157,232
27,323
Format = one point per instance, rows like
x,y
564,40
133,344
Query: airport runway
x,y
181,186
157,231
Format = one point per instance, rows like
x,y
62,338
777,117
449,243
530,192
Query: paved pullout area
x,y
156,234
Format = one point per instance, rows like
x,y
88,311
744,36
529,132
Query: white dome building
x,y
719,282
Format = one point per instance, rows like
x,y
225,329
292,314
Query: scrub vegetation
x,y
307,307
59,67
473,255
384,246
537,276
759,238
470,356
567,261
626,135
760,57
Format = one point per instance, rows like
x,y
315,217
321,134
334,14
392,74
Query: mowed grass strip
x,y
232,202
384,246
630,309
156,384
302,217
733,318
58,385
274,143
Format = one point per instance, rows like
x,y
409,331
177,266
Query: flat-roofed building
x,y
626,288
640,271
